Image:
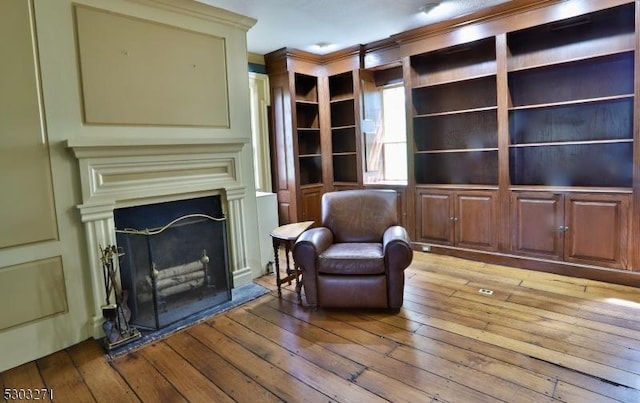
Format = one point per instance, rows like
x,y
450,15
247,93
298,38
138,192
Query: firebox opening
x,y
174,261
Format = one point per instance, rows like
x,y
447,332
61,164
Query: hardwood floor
x,y
538,338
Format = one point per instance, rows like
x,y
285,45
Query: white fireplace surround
x,y
117,174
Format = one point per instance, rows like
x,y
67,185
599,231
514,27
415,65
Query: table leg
x,y
277,261
298,282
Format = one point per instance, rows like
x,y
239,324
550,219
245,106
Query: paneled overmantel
x,y
117,173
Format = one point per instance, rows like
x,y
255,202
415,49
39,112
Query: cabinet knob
x,y
563,228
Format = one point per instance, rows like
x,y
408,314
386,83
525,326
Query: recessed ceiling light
x,y
323,46
427,7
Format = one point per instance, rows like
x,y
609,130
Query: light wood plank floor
x,y
538,338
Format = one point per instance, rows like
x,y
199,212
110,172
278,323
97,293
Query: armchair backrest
x,y
359,215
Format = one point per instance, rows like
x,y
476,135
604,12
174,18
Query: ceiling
x,y
301,24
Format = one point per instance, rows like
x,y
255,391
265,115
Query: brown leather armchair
x,y
358,256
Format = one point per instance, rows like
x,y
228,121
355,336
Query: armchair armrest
x,y
396,247
398,254
305,252
309,245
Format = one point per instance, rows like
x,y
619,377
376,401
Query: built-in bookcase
x,y
521,129
308,129
455,129
571,87
344,137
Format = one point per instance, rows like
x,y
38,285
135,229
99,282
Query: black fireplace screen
x,y
175,260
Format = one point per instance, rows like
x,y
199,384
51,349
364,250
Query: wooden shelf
x,y
344,143
572,189
570,143
460,150
478,167
571,87
307,116
611,119
345,168
310,169
309,142
585,80
308,186
457,112
343,98
456,131
341,87
346,127
306,88
455,97
344,153
456,187
573,102
588,165
468,61
573,53
307,109
343,113
601,33
454,104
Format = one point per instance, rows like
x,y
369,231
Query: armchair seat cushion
x,y
352,258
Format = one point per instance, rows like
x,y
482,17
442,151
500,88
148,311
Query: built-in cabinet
x,y
541,117
574,227
464,218
298,149
454,108
345,136
308,153
307,129
523,134
571,101
317,148
571,126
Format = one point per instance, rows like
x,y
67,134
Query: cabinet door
x,y
435,218
475,220
537,224
310,203
597,229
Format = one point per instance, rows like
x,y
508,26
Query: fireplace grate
x,y
174,270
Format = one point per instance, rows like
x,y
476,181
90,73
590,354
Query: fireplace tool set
x,y
117,314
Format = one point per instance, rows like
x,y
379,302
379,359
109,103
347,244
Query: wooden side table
x,y
286,235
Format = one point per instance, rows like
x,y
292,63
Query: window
x,y
394,138
260,96
386,139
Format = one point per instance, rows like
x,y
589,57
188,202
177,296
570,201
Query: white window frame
x,y
260,101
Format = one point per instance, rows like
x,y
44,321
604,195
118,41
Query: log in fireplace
x,y
174,259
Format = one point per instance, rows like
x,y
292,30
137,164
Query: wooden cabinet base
x,y
624,277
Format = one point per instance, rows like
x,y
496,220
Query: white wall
x,y
54,265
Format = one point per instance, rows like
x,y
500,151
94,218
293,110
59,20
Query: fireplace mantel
x,y
117,173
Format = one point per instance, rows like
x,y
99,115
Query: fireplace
x,y
117,175
173,260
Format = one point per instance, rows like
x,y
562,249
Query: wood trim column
x,y
504,199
